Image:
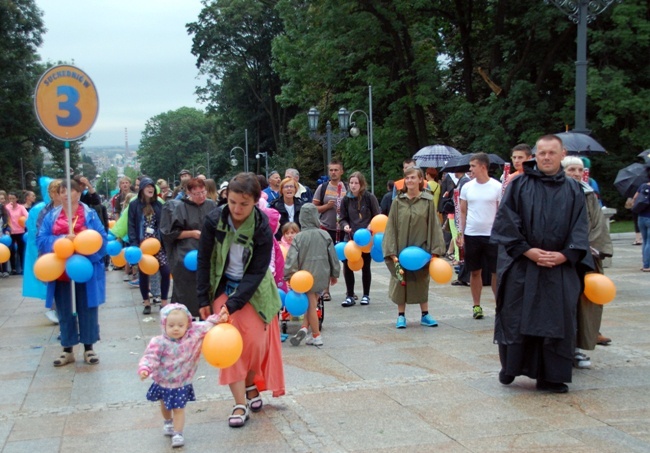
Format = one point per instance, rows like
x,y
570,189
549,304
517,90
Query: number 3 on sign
x,y
66,102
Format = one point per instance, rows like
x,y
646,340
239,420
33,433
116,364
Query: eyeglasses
x,y
286,186
197,194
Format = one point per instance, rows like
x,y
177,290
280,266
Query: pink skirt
x,y
262,350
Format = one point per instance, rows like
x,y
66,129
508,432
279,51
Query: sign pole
x,y
73,294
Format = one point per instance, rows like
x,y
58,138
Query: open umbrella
x,y
435,155
630,178
577,143
645,154
462,163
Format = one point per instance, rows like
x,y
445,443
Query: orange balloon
x,y
49,267
5,253
63,248
352,251
222,345
367,248
440,271
355,265
150,246
148,264
21,220
88,242
111,223
378,223
599,289
301,281
119,260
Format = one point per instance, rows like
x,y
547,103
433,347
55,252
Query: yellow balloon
x,y
352,251
119,260
440,271
21,220
88,242
222,345
49,267
378,223
148,264
599,289
63,247
355,265
301,281
111,223
5,253
150,246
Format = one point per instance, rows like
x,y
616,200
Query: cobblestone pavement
x,y
369,388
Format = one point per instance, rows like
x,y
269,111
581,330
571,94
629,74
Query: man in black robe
x,y
542,231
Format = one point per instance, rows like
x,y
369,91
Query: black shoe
x,y
459,283
505,379
146,310
554,387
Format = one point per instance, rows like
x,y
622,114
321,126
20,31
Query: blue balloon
x,y
113,248
79,268
25,237
296,303
283,295
362,237
110,237
5,239
132,254
340,247
191,260
376,254
414,258
377,240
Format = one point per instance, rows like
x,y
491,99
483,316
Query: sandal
x,y
255,403
327,297
238,420
64,359
91,357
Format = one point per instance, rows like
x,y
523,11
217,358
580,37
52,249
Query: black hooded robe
x,y
535,321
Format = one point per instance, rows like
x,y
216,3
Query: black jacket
x,y
278,205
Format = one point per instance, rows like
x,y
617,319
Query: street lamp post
x,y
354,131
258,156
326,140
197,169
233,160
581,12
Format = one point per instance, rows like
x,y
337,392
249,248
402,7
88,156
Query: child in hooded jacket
x,y
171,360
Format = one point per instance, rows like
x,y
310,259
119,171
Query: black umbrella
x,y
462,163
645,154
435,155
577,143
630,178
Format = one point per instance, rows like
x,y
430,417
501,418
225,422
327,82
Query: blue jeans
x,y
644,227
77,327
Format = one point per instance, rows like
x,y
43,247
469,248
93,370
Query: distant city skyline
x,y
137,54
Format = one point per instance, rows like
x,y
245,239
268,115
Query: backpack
x,y
642,201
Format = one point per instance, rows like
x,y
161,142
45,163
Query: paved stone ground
x,y
370,388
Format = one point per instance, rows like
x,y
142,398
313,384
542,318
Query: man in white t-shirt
x,y
479,201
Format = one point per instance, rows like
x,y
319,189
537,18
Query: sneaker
x,y
427,320
315,341
348,302
298,337
146,310
582,361
168,428
401,322
156,300
365,300
51,315
283,337
134,283
478,312
4,275
126,279
178,440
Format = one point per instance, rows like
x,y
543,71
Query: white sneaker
x,y
318,341
168,429
51,315
582,361
178,440
298,337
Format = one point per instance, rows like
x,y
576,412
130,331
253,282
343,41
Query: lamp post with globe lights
x,y
354,132
326,139
233,159
258,156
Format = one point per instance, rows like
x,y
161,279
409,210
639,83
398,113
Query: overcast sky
x,y
137,52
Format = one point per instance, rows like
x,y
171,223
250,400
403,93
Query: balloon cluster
x,y
143,256
69,257
296,301
414,258
365,240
